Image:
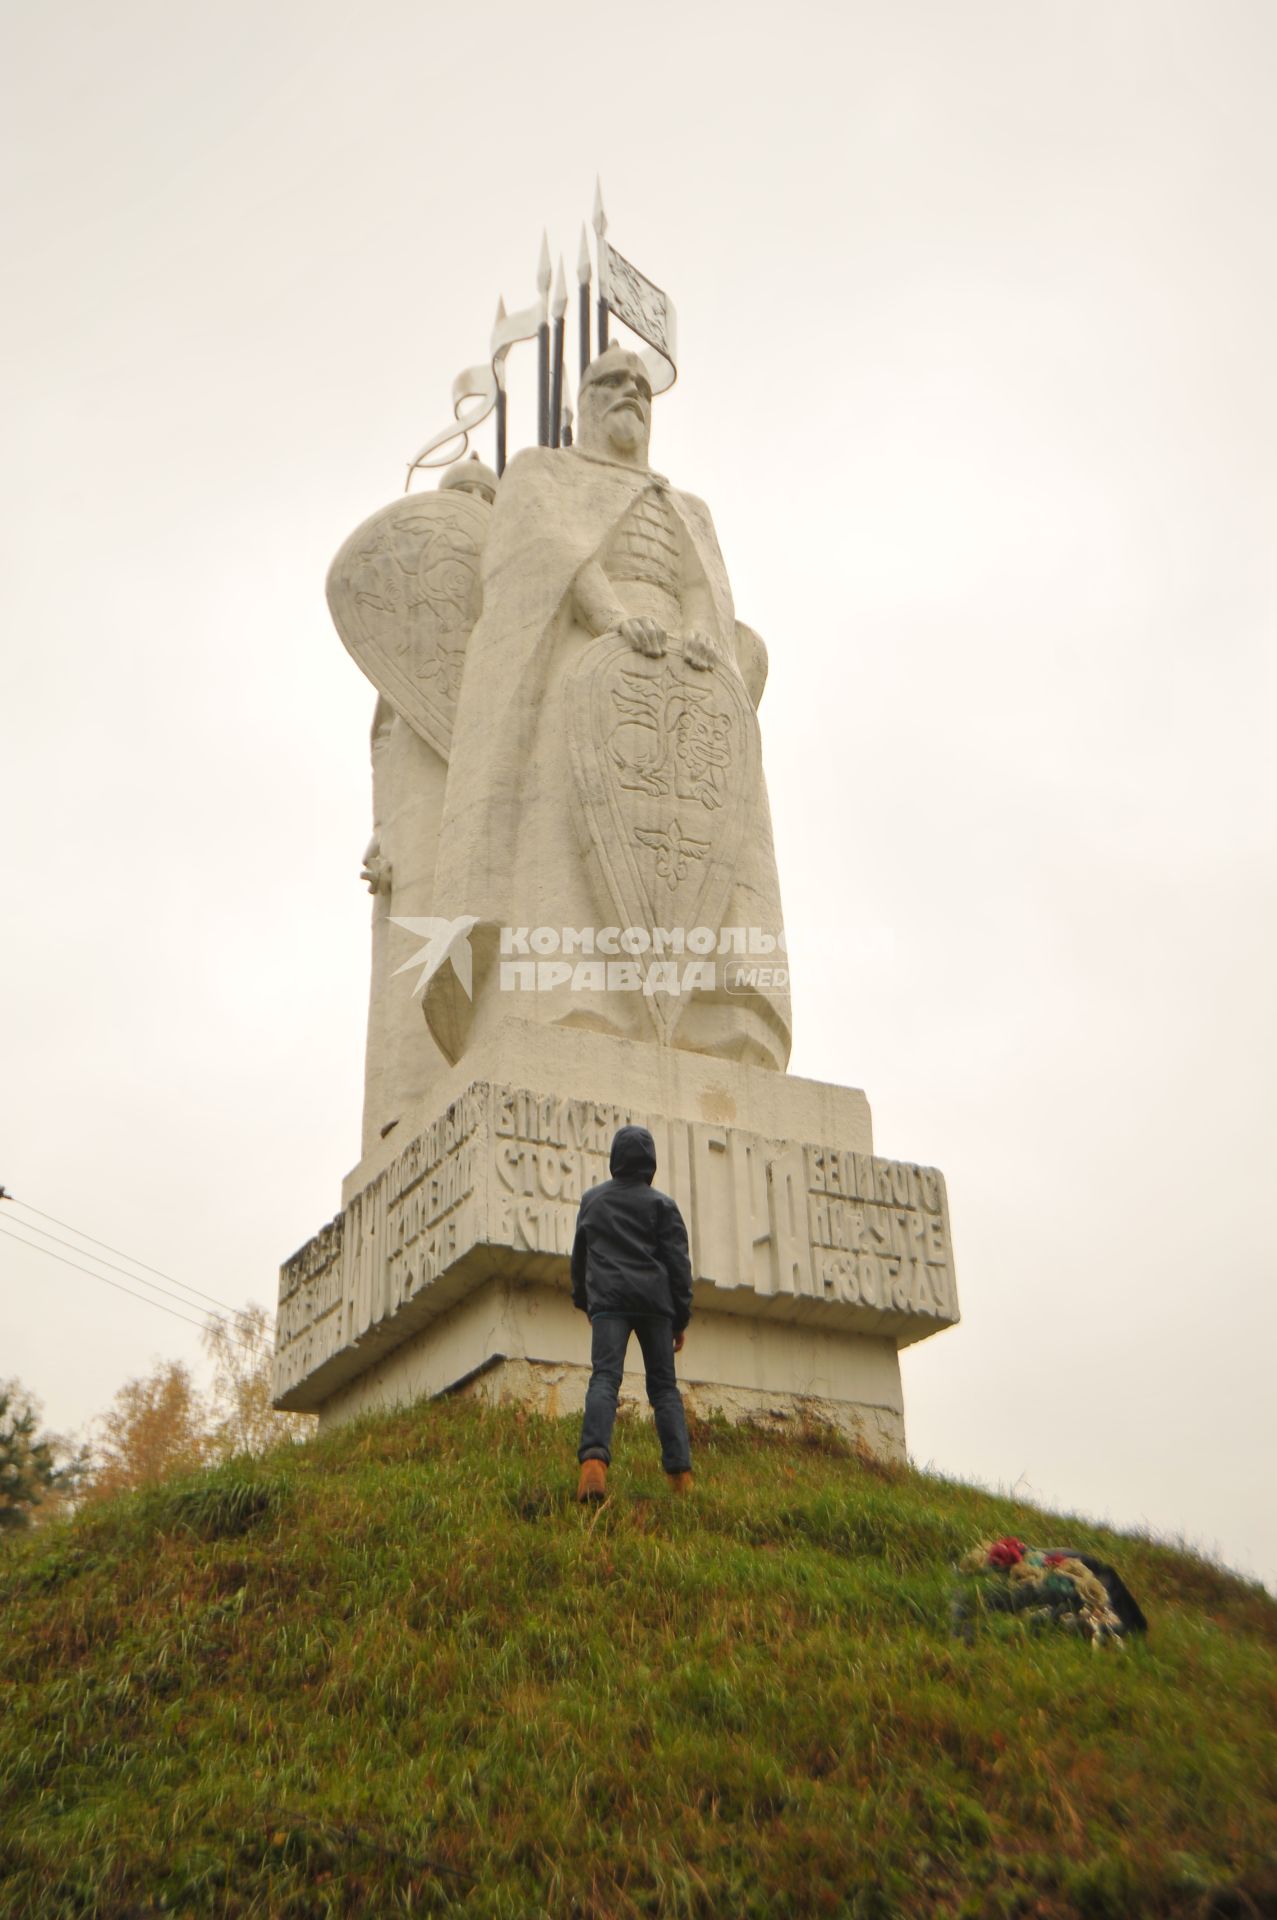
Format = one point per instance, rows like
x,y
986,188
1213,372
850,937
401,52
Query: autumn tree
x,y
157,1426
161,1424
243,1420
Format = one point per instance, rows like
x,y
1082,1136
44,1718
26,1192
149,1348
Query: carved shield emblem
x,y
666,760
404,595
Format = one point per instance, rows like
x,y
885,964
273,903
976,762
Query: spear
x,y
500,373
558,308
565,419
543,346
600,228
583,296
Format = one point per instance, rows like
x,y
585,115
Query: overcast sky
x,y
977,306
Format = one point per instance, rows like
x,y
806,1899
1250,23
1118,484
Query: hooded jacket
x,y
630,1253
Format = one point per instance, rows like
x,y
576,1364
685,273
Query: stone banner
x,y
807,1232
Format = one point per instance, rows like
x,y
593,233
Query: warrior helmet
x,y
472,476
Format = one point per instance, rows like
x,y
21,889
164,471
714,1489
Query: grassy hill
x,y
399,1671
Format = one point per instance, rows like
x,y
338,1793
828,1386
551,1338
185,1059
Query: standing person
x,y
631,1274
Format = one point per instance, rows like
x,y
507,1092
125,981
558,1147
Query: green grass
x,y
399,1671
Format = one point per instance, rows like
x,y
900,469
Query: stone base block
x,y
813,1259
529,1345
556,1390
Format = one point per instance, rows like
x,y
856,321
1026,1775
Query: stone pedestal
x,y
447,1267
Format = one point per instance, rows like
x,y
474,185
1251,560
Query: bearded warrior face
x,y
616,407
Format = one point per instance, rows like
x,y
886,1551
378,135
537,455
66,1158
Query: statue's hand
x,y
645,636
700,651
375,872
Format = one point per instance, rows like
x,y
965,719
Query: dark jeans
x,y
609,1337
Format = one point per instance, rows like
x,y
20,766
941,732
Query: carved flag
x,y
474,392
646,310
474,395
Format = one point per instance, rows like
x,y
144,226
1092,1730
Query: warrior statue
x,y
606,769
577,927
584,765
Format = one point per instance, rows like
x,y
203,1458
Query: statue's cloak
x,y
510,851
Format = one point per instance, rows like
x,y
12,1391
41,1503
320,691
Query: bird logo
x,y
445,940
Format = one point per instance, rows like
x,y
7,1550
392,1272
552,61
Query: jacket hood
x,y
633,1154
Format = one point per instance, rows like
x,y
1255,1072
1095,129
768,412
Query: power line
x,y
144,1298
81,1235
115,1268
61,1258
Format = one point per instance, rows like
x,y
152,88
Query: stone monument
x,y
570,813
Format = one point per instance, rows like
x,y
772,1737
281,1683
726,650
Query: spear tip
x,y
543,264
600,218
583,271
558,305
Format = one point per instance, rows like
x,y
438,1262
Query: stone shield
x,y
666,761
404,594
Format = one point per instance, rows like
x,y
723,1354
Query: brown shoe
x,y
592,1484
679,1482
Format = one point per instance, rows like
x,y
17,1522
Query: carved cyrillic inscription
x,y
396,1237
880,1231
549,1120
535,1226
423,1154
540,1176
504,1168
428,1194
811,1222
308,1326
